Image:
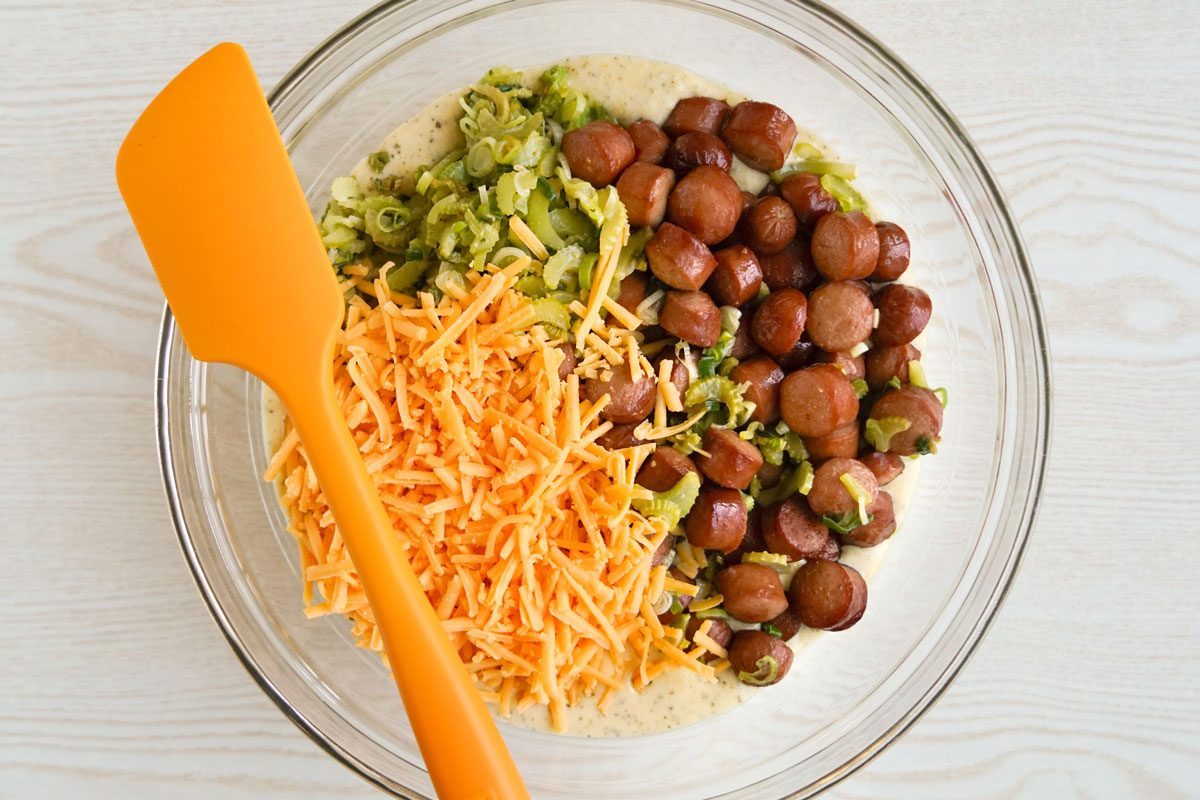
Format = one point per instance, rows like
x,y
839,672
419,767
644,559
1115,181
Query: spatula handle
x,y
463,750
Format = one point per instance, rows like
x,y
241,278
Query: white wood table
x,y
114,683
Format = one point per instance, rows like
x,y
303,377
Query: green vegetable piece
x,y
925,446
943,395
402,278
564,261
846,522
894,382
387,222
847,196
771,630
531,286
538,219
860,388
547,311
773,560
916,374
879,432
765,673
798,481
712,613
722,390
857,493
673,504
378,160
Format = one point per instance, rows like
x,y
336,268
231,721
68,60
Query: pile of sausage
x,y
830,277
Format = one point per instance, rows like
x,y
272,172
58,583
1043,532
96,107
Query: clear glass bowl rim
x,y
288,95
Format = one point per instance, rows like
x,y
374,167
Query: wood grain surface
x,y
117,685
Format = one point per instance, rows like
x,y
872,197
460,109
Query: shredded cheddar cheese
x,y
518,525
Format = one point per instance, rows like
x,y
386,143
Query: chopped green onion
x,y
378,160
859,349
879,432
765,673
894,382
943,395
860,388
846,522
772,630
925,446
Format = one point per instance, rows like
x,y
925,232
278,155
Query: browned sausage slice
x,y
618,437
904,312
650,143
790,268
842,443
762,377
885,466
790,529
779,321
807,197
744,345
769,226
718,519
881,526
731,460
632,291
678,258
629,400
828,595
691,316
706,202
737,278
759,659
645,190
840,315
569,362
761,134
893,252
830,497
598,151
752,541
696,114
885,363
692,150
817,400
799,356
923,411
718,630
845,246
664,468
752,592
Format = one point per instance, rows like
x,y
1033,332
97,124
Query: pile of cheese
x,y
517,523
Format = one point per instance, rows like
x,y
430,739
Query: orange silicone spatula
x,y
224,221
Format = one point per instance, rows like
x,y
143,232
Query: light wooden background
x,y
115,684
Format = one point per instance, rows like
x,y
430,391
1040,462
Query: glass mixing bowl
x,y
944,575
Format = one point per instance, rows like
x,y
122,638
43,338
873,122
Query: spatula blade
x,y
224,221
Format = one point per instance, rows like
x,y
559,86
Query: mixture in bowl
x,y
627,359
